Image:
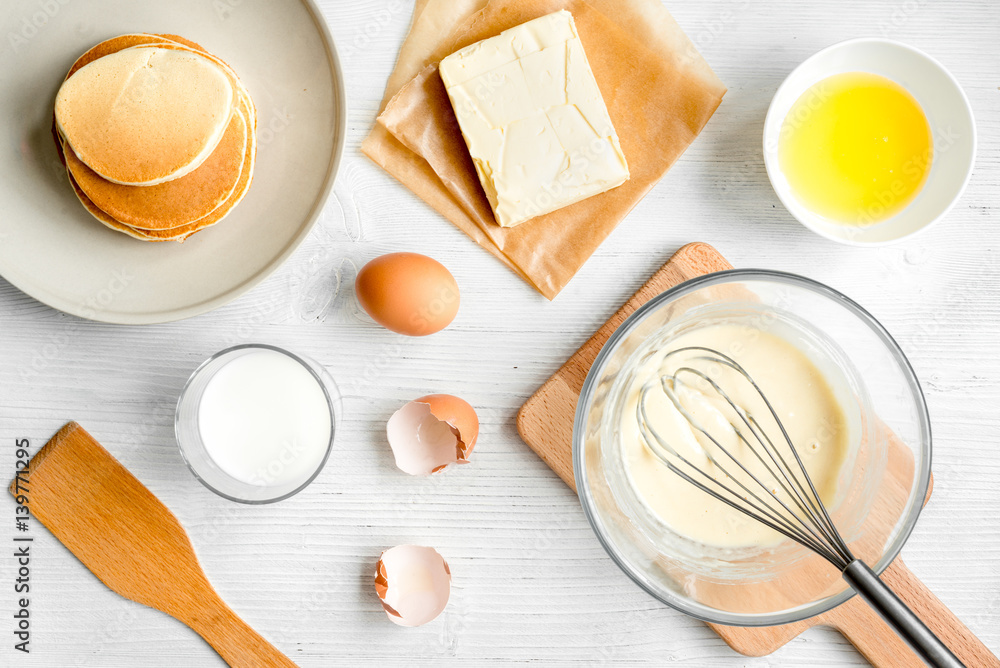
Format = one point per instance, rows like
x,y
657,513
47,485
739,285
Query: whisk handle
x,y
896,613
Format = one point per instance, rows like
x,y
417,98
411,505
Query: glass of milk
x,y
256,423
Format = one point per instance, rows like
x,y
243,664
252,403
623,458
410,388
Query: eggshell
x,y
413,583
458,413
428,434
408,293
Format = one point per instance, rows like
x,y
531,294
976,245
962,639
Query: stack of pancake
x,y
158,136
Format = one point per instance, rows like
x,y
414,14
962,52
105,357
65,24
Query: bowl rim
x,y
911,512
770,157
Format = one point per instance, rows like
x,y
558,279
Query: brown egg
x,y
408,293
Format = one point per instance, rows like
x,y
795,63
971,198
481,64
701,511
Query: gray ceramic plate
x,y
54,251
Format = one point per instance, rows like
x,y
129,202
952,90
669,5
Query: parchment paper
x,y
659,93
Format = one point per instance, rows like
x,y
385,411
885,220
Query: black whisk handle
x,y
899,616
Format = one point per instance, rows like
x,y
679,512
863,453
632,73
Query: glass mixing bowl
x,y
881,488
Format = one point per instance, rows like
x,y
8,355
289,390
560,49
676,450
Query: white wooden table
x,y
531,583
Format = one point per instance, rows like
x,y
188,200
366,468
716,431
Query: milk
x,y
265,420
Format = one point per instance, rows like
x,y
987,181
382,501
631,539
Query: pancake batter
x,y
800,395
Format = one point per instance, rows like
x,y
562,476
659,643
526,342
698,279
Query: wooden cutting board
x,y
545,422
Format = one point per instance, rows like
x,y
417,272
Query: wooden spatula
x,y
133,543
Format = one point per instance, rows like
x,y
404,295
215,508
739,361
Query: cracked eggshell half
x,y
413,583
429,433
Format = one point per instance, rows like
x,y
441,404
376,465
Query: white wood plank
x,y
532,583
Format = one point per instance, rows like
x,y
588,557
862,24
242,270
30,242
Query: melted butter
x,y
799,393
856,148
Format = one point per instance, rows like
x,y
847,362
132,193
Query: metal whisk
x,y
778,493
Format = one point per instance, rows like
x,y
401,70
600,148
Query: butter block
x,y
533,118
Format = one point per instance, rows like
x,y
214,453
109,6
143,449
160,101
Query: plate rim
x,y
182,313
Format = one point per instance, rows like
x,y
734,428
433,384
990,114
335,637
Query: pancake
x,y
176,233
108,221
144,117
106,47
122,42
176,202
244,106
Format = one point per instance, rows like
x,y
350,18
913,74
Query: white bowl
x,y
944,103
